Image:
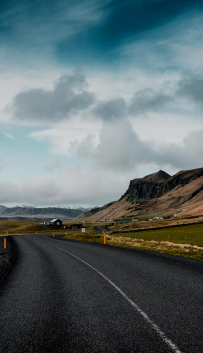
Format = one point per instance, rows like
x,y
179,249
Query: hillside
x,y
37,213
157,194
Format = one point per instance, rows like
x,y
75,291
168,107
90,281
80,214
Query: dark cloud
x,y
192,88
68,96
83,30
123,21
138,16
147,100
111,110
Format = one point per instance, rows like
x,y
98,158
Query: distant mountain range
x,y
156,194
38,213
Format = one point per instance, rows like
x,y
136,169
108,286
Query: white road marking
x,y
161,334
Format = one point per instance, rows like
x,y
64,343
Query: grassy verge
x,y
185,250
185,240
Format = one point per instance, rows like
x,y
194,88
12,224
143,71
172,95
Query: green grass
x,y
176,234
192,234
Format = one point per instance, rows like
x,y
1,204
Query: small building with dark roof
x,y
56,222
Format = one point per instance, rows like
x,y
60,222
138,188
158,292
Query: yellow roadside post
x,y
53,235
4,243
104,239
7,233
36,232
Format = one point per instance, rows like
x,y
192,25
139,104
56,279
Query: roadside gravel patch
x,y
7,258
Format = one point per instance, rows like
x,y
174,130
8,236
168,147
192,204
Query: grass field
x,y
24,227
189,234
186,240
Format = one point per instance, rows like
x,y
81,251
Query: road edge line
x,y
161,334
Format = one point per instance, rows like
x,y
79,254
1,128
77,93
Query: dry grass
x,y
24,227
139,239
185,250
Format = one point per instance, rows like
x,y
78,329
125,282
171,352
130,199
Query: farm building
x,y
56,222
46,223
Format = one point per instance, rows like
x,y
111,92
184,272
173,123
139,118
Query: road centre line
x,y
161,334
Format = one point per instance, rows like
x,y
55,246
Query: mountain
x,y
37,213
157,194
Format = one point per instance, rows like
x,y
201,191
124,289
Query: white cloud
x,y
115,146
119,148
63,138
1,165
76,186
188,155
9,136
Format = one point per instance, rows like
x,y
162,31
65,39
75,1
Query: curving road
x,y
66,296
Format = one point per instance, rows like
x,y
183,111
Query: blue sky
x,y
96,93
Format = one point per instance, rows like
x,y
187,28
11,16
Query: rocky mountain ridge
x,y
155,194
27,212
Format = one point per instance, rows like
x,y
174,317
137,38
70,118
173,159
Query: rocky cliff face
x,y
157,193
156,185
150,187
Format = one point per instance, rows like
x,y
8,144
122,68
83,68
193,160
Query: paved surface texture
x,y
7,257
66,296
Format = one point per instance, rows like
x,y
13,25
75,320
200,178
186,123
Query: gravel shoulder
x,y
8,258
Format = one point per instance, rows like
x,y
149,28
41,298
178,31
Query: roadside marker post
x,y
104,239
4,243
7,233
36,232
53,235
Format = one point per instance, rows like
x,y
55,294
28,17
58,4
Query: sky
x,y
95,93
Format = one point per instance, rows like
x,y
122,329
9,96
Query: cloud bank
x,y
69,96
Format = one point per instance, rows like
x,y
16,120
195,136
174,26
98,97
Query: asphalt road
x,y
66,296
